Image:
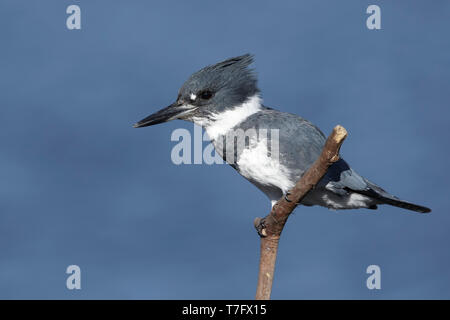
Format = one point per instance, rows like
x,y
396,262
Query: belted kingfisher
x,y
224,97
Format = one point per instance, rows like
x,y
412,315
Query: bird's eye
x,y
205,95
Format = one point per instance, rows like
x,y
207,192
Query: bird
x,y
224,98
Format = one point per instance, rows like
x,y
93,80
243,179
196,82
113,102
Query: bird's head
x,y
209,91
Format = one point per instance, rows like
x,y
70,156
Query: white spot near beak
x,y
193,97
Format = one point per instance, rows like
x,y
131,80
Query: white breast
x,y
255,163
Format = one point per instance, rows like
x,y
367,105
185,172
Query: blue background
x,y
79,185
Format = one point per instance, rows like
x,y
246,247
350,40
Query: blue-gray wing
x,y
300,144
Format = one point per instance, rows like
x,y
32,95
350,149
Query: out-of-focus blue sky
x,y
79,185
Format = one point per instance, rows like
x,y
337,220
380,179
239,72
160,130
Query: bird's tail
x,y
383,197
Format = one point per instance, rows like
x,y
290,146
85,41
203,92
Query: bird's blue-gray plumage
x,y
208,97
300,145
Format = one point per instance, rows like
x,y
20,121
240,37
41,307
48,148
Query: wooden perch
x,y
270,227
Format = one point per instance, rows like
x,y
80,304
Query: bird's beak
x,y
174,111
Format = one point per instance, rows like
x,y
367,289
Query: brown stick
x,y
270,227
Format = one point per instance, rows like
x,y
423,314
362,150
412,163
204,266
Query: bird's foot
x,y
260,227
286,197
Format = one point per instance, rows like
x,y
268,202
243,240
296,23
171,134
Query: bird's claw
x,y
260,227
286,197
